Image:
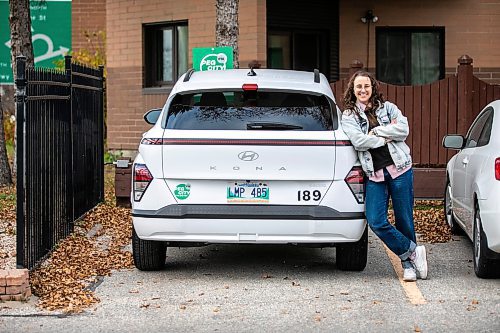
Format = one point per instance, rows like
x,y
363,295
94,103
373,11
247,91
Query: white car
x,y
472,197
251,157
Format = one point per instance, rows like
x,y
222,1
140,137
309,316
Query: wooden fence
x,y
434,110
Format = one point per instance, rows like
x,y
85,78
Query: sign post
x,y
212,58
51,34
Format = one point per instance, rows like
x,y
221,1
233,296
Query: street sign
x,y
50,29
212,58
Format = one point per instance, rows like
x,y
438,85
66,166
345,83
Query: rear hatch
x,y
249,147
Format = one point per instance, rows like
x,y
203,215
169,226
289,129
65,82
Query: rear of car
x,y
248,157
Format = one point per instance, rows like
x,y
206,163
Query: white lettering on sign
x,y
213,62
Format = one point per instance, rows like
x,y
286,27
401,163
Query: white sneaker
x,y
419,260
409,274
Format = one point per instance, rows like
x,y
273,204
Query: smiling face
x,y
362,89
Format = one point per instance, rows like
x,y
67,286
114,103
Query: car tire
x,y
448,214
148,255
483,266
353,256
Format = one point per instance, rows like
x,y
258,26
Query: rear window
x,y
250,110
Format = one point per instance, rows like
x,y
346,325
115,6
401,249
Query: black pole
x,y
21,99
68,71
102,107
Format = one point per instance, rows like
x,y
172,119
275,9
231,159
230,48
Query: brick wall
x,y
87,15
127,100
14,285
472,27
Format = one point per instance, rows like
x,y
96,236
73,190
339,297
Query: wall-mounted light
x,y
369,17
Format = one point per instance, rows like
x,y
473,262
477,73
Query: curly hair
x,y
376,99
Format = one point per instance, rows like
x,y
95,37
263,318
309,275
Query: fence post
x,y
67,69
21,99
102,107
355,66
465,93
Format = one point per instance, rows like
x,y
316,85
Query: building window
x,y
410,56
300,50
165,53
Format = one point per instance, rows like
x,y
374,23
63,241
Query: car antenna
x,y
253,64
252,72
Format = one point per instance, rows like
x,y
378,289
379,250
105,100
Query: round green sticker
x,y
182,191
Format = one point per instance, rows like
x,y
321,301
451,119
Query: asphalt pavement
x,y
264,288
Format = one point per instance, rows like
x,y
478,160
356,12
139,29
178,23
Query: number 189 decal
x,y
308,195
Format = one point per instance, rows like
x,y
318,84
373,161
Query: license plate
x,y
247,192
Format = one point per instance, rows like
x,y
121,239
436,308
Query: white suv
x,y
248,156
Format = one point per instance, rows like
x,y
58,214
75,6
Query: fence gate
x,y
60,145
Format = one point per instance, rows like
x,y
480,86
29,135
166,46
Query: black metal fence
x,y
60,143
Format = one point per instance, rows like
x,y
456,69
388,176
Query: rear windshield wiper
x,y
271,126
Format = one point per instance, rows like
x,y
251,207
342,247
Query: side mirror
x,y
151,117
454,141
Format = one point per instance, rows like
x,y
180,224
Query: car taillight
x,y
355,179
142,178
497,168
250,87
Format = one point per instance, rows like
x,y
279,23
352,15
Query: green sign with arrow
x,y
50,29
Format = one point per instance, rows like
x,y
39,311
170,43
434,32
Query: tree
x,y
21,44
5,175
226,26
20,32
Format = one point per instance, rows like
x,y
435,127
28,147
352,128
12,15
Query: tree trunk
x,y
20,33
5,175
21,43
226,26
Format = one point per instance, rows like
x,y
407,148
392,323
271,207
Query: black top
x,y
381,156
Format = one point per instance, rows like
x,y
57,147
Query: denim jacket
x,y
393,126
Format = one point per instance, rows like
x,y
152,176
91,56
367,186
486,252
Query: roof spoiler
x,y
316,76
188,74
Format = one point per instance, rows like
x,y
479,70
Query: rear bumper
x,y
491,226
248,224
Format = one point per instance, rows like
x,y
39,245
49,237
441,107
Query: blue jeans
x,y
400,238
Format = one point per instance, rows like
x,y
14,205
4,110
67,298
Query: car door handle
x,y
465,161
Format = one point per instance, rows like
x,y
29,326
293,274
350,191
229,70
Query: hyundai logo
x,y
248,156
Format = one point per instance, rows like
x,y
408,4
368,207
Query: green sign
x,y
50,30
212,58
182,191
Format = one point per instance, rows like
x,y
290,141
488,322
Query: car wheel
x,y
448,214
353,256
148,255
483,266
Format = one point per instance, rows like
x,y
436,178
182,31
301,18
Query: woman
x,y
377,130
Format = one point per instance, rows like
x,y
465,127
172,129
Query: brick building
x,y
86,15
417,44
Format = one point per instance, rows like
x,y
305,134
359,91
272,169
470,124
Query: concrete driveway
x,y
228,288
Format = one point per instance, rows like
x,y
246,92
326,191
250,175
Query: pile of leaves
x,y
7,225
65,281
429,219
